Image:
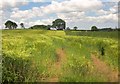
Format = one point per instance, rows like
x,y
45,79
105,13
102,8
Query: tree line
x,y
94,28
13,25
57,24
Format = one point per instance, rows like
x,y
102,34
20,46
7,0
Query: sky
x,y
80,13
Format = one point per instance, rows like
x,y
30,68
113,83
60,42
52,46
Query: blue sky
x,y
32,4
80,13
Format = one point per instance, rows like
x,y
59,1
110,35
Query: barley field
x,y
59,56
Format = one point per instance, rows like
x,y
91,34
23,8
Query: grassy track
x,y
54,56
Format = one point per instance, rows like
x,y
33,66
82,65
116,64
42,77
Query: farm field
x,y
59,56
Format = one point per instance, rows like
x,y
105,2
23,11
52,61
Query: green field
x,y
59,56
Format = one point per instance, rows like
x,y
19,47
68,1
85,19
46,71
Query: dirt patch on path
x,y
61,57
104,69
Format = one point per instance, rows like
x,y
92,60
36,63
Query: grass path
x,y
100,66
104,69
61,57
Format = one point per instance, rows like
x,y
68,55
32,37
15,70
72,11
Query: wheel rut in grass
x,y
104,69
61,57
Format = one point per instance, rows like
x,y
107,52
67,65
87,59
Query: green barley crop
x,y
30,55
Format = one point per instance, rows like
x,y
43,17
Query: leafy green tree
x,y
14,25
8,24
94,28
59,24
75,28
22,25
11,25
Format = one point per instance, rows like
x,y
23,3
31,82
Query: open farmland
x,y
58,56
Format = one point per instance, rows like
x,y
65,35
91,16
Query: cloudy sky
x,y
80,13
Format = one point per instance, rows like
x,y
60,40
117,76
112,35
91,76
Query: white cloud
x,y
114,9
1,13
7,4
56,7
37,0
102,12
80,17
42,0
104,18
102,15
72,11
27,14
110,0
72,5
114,0
72,16
39,22
22,14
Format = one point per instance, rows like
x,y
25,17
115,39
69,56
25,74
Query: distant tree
x,y
14,25
94,28
118,29
43,27
11,25
22,25
8,24
48,27
75,28
67,28
106,29
31,28
59,24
